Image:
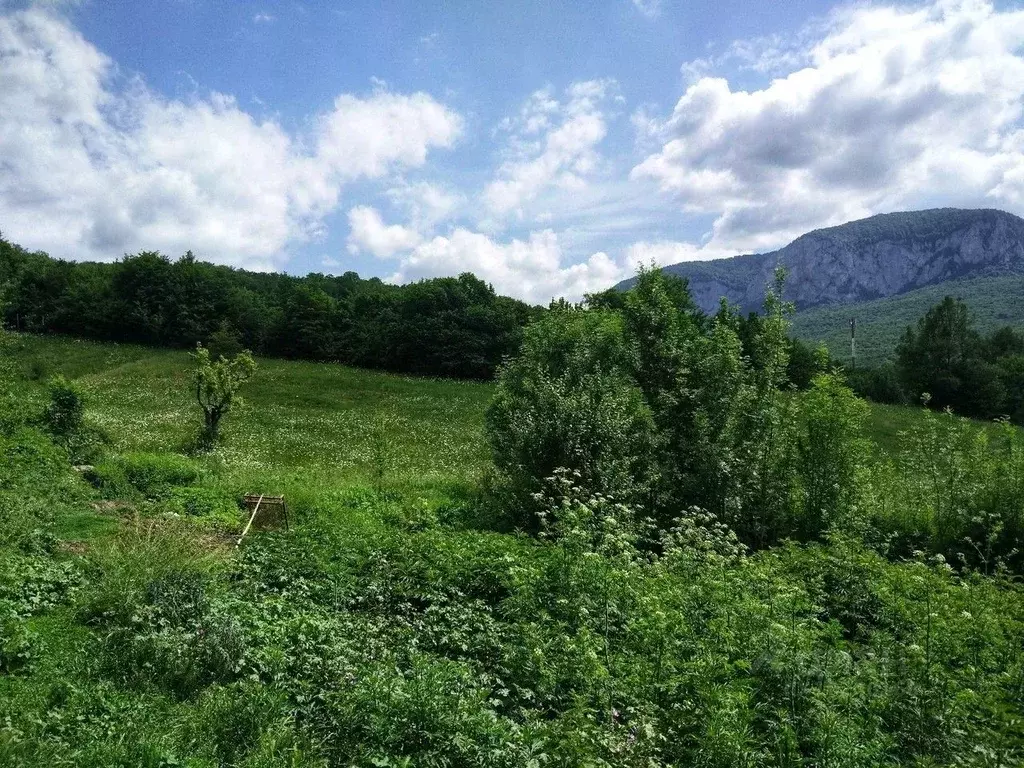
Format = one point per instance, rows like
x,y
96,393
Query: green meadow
x,y
305,422
400,621
302,427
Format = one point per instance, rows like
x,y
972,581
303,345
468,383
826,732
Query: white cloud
x,y
424,203
263,18
365,137
534,269
368,232
649,8
91,169
564,156
663,252
889,108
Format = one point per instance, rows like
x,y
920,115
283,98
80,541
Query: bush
x,y
208,505
832,453
180,653
250,724
881,384
152,475
65,413
562,404
953,490
150,599
122,570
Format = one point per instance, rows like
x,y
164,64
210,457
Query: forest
x,y
442,327
943,358
642,545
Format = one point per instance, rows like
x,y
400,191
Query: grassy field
x,y
303,425
396,626
995,302
308,424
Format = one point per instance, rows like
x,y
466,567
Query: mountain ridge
x,y
883,255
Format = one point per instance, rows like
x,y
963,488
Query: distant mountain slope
x,y
884,255
994,302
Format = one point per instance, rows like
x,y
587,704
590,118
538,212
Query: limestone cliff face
x,y
868,259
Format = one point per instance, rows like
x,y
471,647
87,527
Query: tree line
x,y
944,360
453,326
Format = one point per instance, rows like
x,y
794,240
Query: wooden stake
x,y
247,525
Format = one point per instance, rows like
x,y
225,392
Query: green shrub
x,y
165,630
563,404
180,657
953,490
832,452
37,583
250,724
121,570
65,413
153,475
209,505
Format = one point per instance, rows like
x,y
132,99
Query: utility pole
x,y
853,342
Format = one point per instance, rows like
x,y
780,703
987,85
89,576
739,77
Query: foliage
x,y
654,405
380,630
442,327
994,302
832,454
17,643
945,358
956,489
64,418
217,383
150,475
65,412
563,404
217,507
935,356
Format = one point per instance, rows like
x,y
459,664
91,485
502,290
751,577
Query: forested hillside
x,y
994,302
445,327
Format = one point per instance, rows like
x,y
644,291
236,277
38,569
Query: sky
x,y
548,147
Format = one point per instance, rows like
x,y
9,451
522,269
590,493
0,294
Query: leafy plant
x,y
216,385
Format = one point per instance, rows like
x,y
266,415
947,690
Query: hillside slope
x,y
884,255
994,303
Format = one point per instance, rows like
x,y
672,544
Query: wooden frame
x,y
265,512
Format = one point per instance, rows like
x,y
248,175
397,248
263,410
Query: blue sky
x,y
548,147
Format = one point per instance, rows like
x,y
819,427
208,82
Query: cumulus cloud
x,y
424,203
534,269
893,108
366,137
552,143
368,232
94,167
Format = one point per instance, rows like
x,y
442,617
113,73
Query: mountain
x,y
885,255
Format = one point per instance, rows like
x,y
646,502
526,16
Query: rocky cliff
x,y
872,258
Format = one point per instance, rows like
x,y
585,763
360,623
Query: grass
x,y
309,424
303,425
376,633
995,302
